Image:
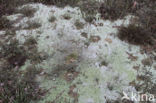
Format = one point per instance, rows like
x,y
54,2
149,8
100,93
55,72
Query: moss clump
x,y
9,6
67,16
135,35
52,19
104,63
79,25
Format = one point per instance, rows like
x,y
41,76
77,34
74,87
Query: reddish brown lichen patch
x,y
94,38
73,93
70,76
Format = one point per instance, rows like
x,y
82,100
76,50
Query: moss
x,y
27,11
104,63
67,16
79,25
52,19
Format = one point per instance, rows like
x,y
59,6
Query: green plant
x,y
59,3
19,88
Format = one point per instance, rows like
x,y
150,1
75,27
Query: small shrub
x,y
79,25
27,11
32,53
135,35
89,9
115,9
59,3
9,6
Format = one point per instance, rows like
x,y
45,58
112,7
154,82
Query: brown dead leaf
x,y
108,40
136,67
70,76
72,93
131,57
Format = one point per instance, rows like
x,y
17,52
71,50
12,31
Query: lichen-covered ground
x,y
78,62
